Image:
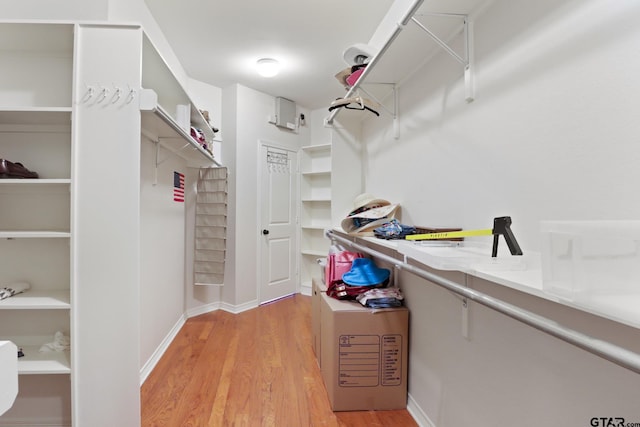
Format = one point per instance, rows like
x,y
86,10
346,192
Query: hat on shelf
x,y
342,75
350,75
364,272
368,212
359,53
368,200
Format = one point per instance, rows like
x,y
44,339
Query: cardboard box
x,y
317,290
364,355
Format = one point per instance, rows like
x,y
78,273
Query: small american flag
x,y
178,187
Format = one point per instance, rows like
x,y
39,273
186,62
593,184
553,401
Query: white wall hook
x,y
116,95
88,94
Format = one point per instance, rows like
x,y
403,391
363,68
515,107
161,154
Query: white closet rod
x,y
611,352
371,65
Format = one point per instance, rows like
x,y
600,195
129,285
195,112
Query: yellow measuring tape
x,y
501,227
449,234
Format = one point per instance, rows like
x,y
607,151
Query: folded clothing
x,y
393,230
13,289
381,298
60,342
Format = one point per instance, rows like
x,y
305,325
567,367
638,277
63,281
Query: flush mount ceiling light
x,y
268,67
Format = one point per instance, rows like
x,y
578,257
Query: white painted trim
x,y
418,414
203,309
235,309
155,357
306,290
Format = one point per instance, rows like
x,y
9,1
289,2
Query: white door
x,y
278,219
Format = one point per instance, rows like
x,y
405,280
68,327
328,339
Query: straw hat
x,y
367,200
368,212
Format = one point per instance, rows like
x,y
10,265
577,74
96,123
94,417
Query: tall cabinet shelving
x,y
315,197
74,101
36,62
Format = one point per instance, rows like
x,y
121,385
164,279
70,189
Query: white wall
x,y
136,11
162,237
56,9
245,113
167,290
552,134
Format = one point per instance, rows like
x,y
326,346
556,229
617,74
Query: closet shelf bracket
x,y
393,112
467,59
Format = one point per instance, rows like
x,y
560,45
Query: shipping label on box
x,y
370,360
364,356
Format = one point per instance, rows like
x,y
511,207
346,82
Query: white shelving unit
x,y
160,127
423,29
74,232
36,62
315,196
162,101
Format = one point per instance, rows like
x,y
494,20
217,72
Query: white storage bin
x,y
589,262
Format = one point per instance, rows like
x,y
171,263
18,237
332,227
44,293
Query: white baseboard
x,y
235,309
418,414
305,289
203,309
155,357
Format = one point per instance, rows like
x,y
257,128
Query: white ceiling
x,y
219,41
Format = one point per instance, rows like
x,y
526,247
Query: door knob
x,y
265,232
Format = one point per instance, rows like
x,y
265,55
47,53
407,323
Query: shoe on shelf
x,y
15,170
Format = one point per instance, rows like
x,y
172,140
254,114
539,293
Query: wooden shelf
x,y
43,234
35,116
35,182
37,300
36,362
318,147
317,173
315,227
314,200
316,253
160,127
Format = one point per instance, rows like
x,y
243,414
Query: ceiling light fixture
x,y
268,67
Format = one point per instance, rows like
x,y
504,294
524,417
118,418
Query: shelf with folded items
x,y
41,332
35,362
37,300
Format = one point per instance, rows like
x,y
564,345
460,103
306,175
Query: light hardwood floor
x,y
253,369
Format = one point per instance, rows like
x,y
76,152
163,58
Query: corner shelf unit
x,y
315,197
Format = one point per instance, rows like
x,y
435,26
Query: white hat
x,y
367,199
376,217
359,53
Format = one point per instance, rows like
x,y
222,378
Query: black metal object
x,y
502,226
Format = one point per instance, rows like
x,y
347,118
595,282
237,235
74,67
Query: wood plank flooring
x,y
256,368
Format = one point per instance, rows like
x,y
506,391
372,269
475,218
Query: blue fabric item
x,y
365,273
393,230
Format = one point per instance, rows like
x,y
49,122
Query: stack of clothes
x,y
366,283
